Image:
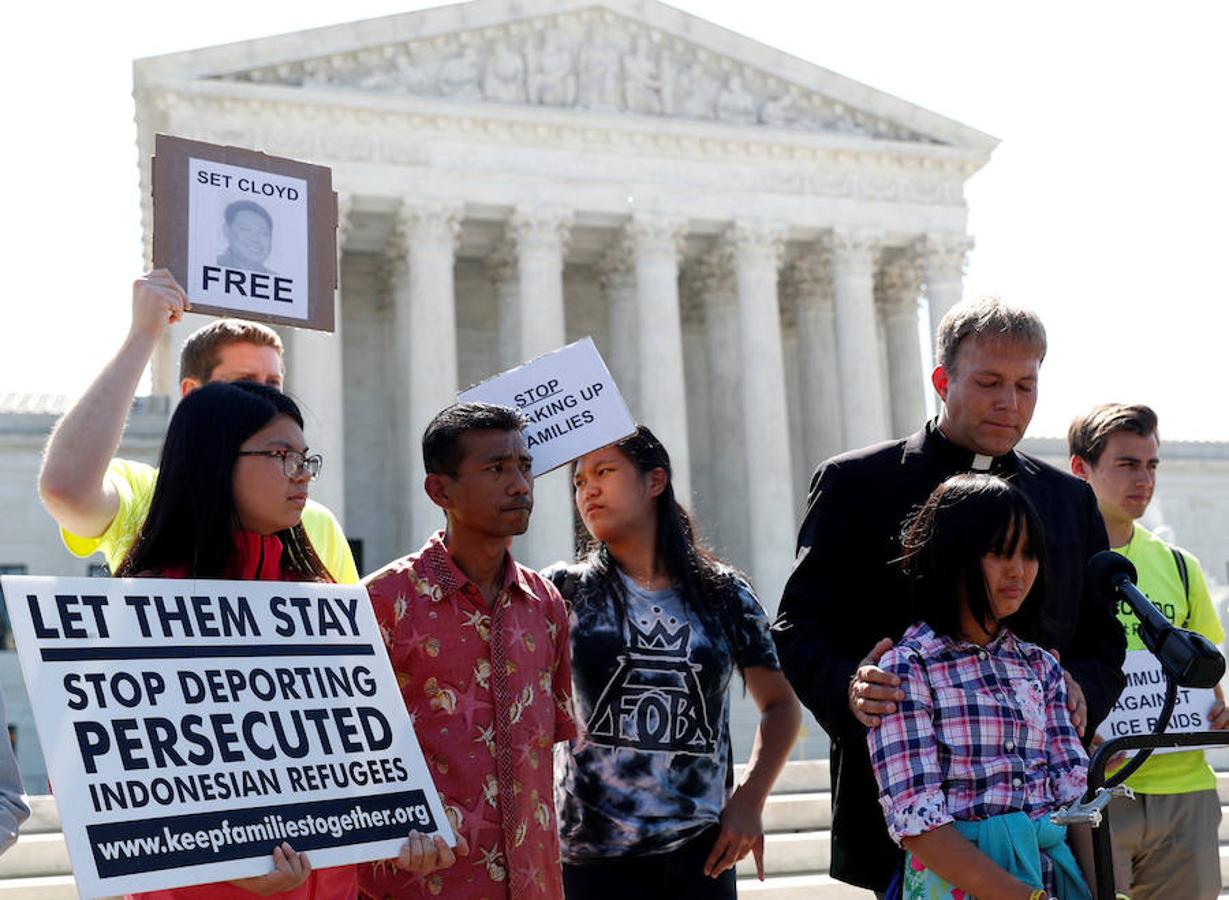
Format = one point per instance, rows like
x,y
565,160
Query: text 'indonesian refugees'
x,y
189,726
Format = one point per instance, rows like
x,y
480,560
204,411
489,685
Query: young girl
x,y
658,624
230,493
981,749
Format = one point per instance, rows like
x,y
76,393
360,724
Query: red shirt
x,y
486,730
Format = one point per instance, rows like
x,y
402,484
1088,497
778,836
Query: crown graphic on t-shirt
x,y
659,639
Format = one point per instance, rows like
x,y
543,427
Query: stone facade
x,y
750,240
29,539
755,244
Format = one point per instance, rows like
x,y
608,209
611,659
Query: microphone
x,y
1189,659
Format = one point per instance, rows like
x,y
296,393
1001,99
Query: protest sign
x,y
246,234
570,399
1141,700
190,726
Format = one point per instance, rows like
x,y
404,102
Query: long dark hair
x,y
708,585
192,516
966,517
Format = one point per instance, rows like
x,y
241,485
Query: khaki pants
x,y
1166,845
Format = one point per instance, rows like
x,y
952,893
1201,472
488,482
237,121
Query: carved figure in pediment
x,y
642,86
735,103
789,109
460,76
405,75
600,86
504,78
841,118
696,92
317,72
553,74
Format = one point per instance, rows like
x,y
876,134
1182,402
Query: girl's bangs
x,y
1013,533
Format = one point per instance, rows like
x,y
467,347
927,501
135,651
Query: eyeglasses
x,y
294,463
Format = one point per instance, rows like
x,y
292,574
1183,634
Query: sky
x,y
1104,208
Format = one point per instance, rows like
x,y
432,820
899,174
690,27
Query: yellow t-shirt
x,y
1169,773
134,482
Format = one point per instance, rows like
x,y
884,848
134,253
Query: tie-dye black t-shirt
x,y
649,768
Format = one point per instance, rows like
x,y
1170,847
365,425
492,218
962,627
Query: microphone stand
x,y
1091,809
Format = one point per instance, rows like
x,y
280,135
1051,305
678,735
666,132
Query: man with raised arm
x,y
846,601
100,502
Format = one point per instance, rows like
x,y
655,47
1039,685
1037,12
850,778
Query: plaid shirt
x,y
982,731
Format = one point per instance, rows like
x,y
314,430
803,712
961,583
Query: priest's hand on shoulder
x,y
874,692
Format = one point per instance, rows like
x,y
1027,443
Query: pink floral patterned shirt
x,y
982,731
489,689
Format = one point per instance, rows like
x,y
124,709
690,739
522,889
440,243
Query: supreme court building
x,y
752,240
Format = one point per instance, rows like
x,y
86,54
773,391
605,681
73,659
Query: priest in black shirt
x,y
846,600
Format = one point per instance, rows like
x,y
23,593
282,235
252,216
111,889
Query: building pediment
x,y
641,59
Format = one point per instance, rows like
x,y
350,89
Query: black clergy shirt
x,y
845,594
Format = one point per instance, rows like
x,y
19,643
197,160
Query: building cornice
x,y
342,128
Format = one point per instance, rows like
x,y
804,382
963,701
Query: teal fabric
x,y
1015,842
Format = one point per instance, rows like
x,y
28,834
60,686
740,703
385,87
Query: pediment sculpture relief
x,y
604,64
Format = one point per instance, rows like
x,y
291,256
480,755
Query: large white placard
x,y
189,726
570,399
1140,703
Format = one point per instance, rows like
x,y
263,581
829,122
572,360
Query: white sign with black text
x,y
1140,703
570,399
190,726
247,239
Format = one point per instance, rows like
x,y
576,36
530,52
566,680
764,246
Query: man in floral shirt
x,y
480,647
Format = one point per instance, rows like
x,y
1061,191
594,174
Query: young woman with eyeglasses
x,y
231,491
228,503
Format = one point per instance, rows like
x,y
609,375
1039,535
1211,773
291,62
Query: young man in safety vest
x,y
1165,840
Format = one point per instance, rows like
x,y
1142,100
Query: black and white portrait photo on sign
x,y
247,239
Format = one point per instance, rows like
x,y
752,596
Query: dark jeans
x,y
677,875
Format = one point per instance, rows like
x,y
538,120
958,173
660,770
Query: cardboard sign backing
x,y
246,234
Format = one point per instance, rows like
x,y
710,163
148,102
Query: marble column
x,y
656,242
501,267
808,290
897,292
713,278
757,249
424,362
853,285
944,257
617,275
540,239
315,378
164,365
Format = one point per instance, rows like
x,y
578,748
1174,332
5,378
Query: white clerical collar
x,y
981,462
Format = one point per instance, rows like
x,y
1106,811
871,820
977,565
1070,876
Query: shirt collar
x,y
1004,640
1136,528
258,557
934,445
442,569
